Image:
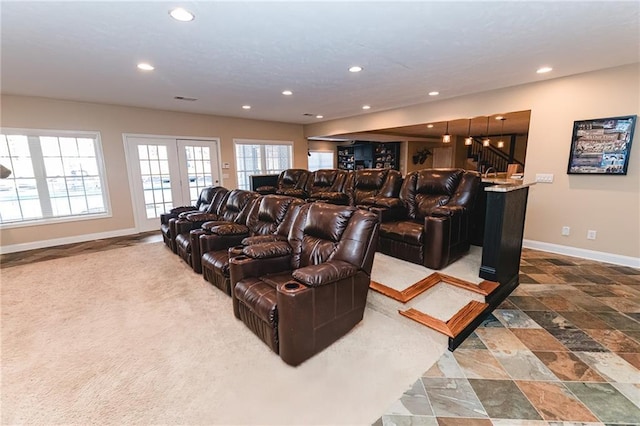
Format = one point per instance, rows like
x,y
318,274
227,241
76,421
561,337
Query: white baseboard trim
x,y
65,240
618,259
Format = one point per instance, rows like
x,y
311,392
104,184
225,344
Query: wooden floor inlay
x,y
455,324
484,288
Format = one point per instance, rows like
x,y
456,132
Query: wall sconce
x,y
468,140
446,138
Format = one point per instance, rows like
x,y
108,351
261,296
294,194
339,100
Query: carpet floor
x,y
132,335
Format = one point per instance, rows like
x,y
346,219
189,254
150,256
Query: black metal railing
x,y
490,157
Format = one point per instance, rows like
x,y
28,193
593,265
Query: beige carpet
x,y
441,301
132,335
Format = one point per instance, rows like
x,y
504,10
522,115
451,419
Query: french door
x,y
167,172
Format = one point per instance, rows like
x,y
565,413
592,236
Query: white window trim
x,y
94,134
238,141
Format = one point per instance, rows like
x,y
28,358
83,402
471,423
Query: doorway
x,y
165,172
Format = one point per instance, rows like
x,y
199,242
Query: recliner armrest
x,y
447,211
228,228
386,202
164,218
265,190
268,250
298,193
260,239
201,217
181,209
325,273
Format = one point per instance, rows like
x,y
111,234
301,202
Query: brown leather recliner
x,y
303,294
329,186
368,185
269,220
429,223
291,182
210,199
235,209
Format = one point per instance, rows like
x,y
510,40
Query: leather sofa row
x,y
272,251
298,273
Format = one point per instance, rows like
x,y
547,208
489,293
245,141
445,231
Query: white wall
x,y
608,204
112,121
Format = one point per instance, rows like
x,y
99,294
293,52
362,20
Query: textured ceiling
x,y
237,53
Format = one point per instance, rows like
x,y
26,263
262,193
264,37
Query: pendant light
x,y
468,140
446,138
486,141
501,142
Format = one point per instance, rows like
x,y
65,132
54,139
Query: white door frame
x,y
129,161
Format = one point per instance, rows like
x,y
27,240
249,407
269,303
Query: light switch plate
x,y
544,177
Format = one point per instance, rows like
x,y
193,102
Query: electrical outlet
x,y
591,234
544,177
566,230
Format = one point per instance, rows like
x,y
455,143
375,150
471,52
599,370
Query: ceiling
x,y
247,53
512,123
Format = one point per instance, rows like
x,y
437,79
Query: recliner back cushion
x,y
367,183
370,179
236,205
323,179
265,217
425,190
218,200
206,197
317,231
292,178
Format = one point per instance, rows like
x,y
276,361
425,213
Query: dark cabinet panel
x,y
369,155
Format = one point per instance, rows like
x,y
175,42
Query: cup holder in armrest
x,y
235,251
292,286
242,257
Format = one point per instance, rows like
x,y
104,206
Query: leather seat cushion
x,y
408,232
259,297
217,260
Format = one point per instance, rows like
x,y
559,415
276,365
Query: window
x,y
54,174
261,158
320,160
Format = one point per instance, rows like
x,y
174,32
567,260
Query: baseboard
x,y
600,256
65,240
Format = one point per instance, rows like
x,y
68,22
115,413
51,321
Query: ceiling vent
x,y
185,98
306,114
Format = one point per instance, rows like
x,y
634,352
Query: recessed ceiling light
x,y
182,15
355,68
544,70
319,116
434,93
499,117
430,126
246,106
366,106
287,92
145,67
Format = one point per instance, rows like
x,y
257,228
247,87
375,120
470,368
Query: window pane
x,y
320,160
65,169
249,160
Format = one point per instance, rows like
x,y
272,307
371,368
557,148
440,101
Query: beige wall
x,y
608,204
112,121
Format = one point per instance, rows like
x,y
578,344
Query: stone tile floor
x,y
563,349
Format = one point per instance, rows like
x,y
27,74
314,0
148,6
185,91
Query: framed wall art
x,y
601,146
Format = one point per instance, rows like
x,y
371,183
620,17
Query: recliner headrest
x,y
438,181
